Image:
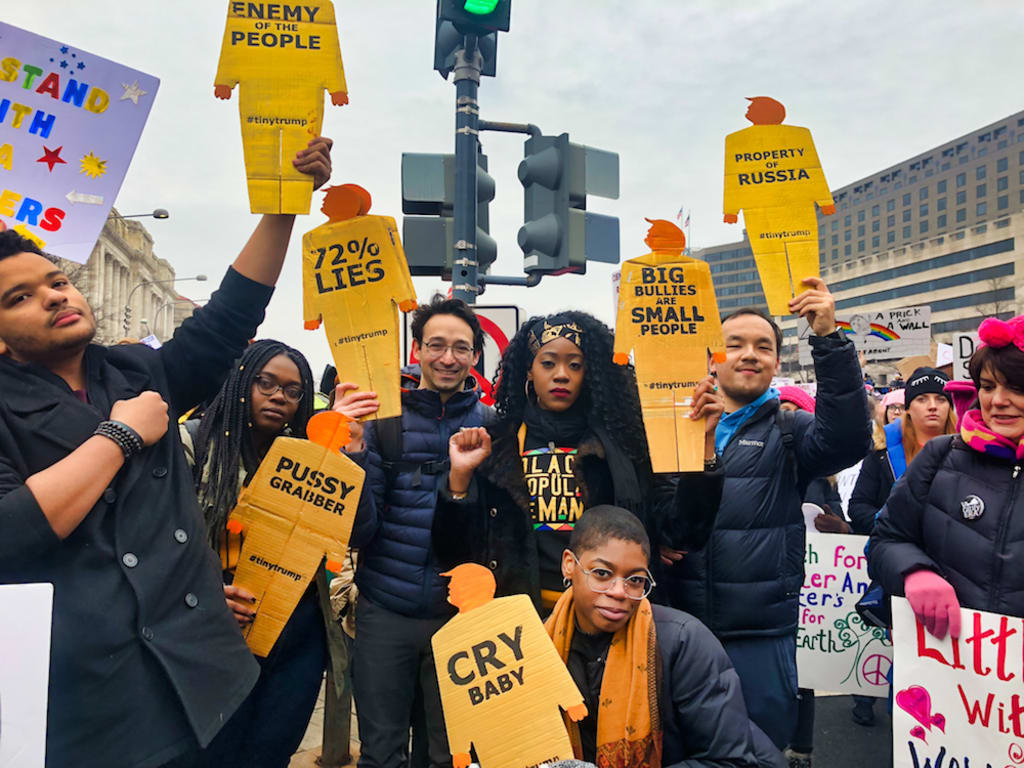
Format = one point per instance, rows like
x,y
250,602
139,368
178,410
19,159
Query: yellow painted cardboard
x,y
503,684
772,174
355,279
285,56
668,316
297,509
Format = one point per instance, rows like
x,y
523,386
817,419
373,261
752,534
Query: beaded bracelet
x,y
127,439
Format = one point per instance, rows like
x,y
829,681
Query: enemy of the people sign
x,y
355,279
668,316
297,509
69,123
772,174
285,55
958,702
835,650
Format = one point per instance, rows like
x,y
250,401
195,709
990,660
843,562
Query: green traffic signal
x,y
480,7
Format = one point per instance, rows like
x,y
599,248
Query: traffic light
x,y
428,192
127,318
559,234
458,18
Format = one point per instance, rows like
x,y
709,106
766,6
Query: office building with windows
x,y
942,228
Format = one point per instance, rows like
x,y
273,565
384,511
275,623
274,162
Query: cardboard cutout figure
x,y
297,509
502,681
285,56
668,316
772,174
355,278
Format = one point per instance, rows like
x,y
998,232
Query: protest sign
x,y
772,174
284,56
958,702
69,123
355,279
881,335
964,345
297,509
835,650
668,316
502,681
26,612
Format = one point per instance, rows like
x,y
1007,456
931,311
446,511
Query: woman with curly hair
x,y
569,436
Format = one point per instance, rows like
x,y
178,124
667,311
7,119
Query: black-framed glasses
x,y
637,587
268,387
438,348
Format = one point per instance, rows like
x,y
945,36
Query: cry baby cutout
x,y
297,509
355,278
668,316
772,174
501,679
285,55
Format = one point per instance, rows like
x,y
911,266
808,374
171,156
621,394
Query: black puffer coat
x,y
925,524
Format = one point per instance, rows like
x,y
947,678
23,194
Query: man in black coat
x,y
745,584
147,662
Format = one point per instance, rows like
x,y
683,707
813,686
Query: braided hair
x,y
609,395
225,436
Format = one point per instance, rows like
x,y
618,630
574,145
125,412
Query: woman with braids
x,y
268,393
569,435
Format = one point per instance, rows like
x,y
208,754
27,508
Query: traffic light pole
x,y
468,63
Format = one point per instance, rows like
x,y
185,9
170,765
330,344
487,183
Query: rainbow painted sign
x,y
885,335
69,123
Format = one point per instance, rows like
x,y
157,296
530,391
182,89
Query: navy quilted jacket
x,y
398,569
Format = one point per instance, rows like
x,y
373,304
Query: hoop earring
x,y
566,582
531,391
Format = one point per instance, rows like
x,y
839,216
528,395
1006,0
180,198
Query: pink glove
x,y
934,602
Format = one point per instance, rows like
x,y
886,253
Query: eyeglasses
x,y
268,387
459,351
636,587
895,408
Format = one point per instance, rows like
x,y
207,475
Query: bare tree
x,y
999,305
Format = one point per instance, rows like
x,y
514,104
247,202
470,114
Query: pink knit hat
x,y
797,397
893,397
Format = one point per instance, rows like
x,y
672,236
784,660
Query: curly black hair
x,y
609,394
225,432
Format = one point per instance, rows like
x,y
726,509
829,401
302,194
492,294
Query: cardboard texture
x,y
668,316
297,509
355,279
773,175
69,124
501,679
284,56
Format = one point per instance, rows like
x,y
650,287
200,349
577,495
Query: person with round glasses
x,y
625,654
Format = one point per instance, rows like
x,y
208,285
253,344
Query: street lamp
x,y
158,213
128,301
180,300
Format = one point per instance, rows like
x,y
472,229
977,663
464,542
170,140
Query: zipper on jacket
x,y
1016,471
1000,540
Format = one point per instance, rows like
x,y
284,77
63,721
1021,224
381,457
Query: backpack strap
x,y
785,420
390,444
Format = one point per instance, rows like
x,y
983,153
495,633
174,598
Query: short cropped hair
x,y
767,318
599,524
12,243
442,306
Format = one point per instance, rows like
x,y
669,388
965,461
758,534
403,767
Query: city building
x,y
123,271
940,229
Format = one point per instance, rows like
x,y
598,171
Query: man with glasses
x,y
402,595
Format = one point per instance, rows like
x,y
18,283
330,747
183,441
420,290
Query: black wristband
x,y
126,438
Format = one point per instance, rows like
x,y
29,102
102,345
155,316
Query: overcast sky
x,y
659,82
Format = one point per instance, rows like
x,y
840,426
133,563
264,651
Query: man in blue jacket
x,y
402,596
745,583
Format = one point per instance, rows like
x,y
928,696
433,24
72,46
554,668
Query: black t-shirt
x,y
587,657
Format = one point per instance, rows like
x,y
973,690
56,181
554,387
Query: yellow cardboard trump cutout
x,y
502,681
355,279
772,174
297,509
285,56
668,316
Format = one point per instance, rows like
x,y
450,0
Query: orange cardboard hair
x,y
764,110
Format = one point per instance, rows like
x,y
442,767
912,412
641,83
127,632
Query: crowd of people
x,y
671,598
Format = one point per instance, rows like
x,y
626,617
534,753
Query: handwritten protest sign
x,y
668,317
958,703
297,509
285,56
501,679
355,279
773,175
69,123
880,335
25,618
835,650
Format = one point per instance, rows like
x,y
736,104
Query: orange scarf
x,y
629,722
